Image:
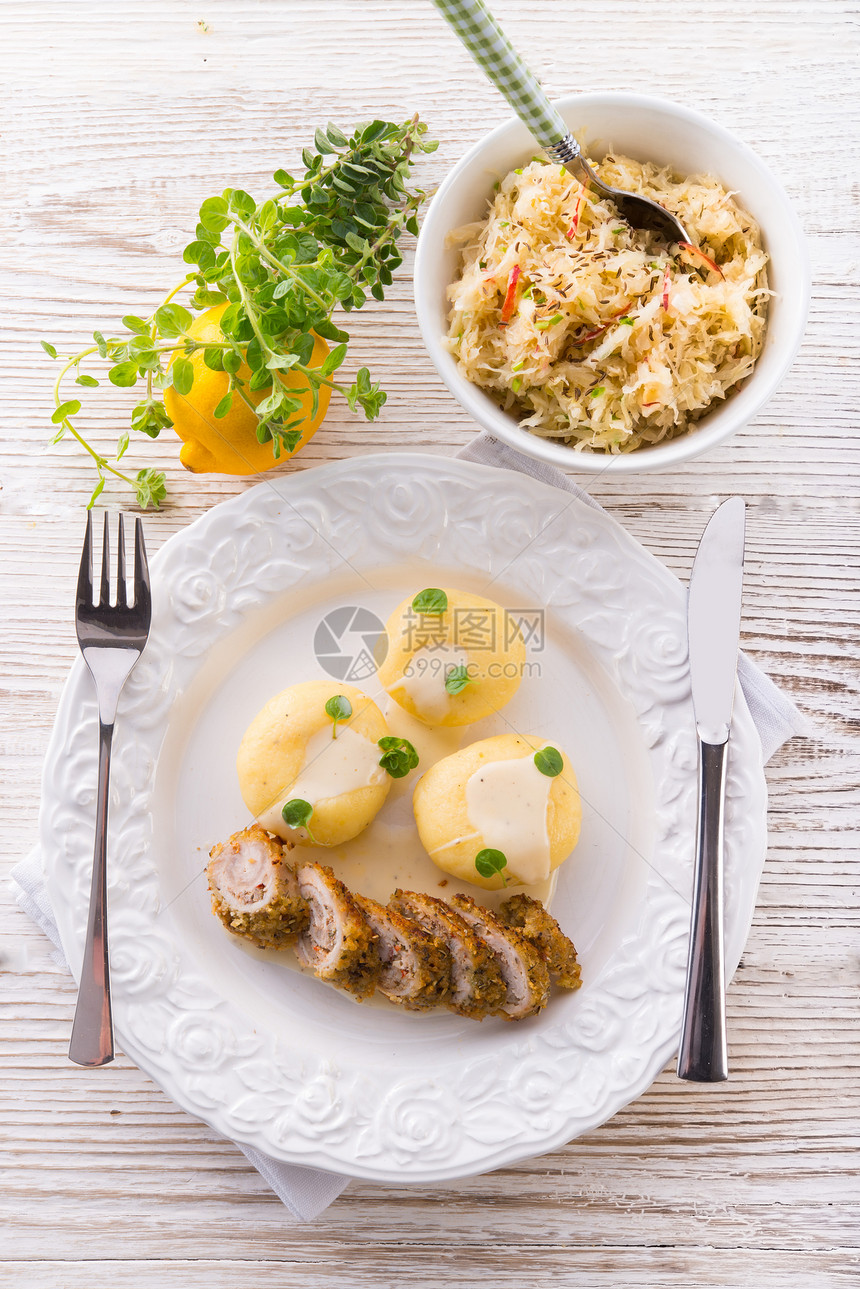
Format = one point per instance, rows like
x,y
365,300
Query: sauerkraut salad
x,y
597,334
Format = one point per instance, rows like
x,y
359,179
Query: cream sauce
x,y
332,767
507,805
389,854
423,679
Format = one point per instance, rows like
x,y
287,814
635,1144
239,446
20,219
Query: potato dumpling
x,y
290,752
453,657
493,796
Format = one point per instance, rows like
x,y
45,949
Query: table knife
x,y
713,631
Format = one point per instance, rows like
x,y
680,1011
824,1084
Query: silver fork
x,y
111,637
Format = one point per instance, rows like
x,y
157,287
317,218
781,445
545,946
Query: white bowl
x,y
648,129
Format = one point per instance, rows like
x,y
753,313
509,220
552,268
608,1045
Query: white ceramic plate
x,y
278,1060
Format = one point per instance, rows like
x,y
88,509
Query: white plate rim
x,y
409,1131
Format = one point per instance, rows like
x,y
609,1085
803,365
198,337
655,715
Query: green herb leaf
x,y
339,708
595,393
297,814
549,761
456,679
124,374
49,349
172,319
71,408
488,862
84,379
151,488
183,375
223,407
213,214
336,136
399,756
431,600
137,325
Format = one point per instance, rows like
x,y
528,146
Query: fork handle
x,y
92,1031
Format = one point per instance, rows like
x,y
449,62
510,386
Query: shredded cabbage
x,y
597,334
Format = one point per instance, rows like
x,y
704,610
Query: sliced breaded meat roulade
x,y
338,944
477,986
254,890
541,929
416,967
523,969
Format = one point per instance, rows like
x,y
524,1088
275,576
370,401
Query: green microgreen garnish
x,y
489,862
549,761
399,756
297,814
431,600
595,393
456,679
338,708
281,266
626,322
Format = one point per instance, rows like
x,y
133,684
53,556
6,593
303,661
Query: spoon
x,y
494,54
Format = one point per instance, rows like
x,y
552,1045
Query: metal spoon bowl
x,y
640,212
494,54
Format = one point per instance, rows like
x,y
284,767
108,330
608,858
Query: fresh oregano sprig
x,y
282,266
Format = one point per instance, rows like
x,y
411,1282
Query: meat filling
x,y
416,967
477,986
254,890
338,944
523,969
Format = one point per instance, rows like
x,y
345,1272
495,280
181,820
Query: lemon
x,y
229,444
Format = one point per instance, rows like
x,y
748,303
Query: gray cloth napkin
x,y
306,1192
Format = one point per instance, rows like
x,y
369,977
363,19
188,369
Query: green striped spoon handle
x,y
496,56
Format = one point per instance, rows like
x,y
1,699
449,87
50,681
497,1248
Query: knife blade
x,y
713,629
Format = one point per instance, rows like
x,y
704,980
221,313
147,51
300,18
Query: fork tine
x,y
120,564
142,598
104,592
85,575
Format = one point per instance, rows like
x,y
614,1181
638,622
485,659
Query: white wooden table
x,y
119,119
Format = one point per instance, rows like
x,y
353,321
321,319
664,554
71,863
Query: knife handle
x,y
702,1054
